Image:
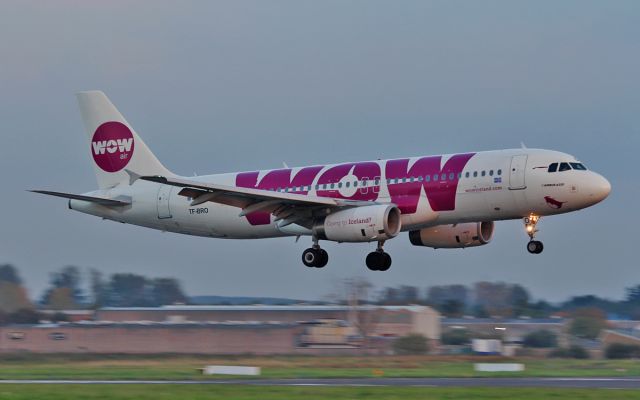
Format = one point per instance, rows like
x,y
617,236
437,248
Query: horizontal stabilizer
x,y
98,200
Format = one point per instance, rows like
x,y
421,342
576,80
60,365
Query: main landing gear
x,y
378,260
315,257
534,246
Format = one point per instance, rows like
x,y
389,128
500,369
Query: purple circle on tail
x,y
112,146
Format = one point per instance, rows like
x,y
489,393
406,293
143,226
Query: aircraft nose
x,y
599,188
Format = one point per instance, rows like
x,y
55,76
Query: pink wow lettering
x,y
440,188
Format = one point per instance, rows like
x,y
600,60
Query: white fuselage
x,y
433,190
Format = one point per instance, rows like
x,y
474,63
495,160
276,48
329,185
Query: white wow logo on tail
x,y
112,146
121,145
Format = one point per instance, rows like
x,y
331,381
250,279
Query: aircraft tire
x,y
311,257
323,258
378,261
535,247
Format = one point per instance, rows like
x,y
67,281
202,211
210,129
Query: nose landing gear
x,y
534,246
378,260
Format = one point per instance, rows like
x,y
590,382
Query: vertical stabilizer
x,y
113,143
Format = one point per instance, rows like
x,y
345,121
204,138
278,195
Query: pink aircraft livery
x,y
442,201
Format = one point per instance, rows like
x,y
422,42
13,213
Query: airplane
x,y
442,201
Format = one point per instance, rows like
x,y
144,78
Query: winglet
x,y
522,145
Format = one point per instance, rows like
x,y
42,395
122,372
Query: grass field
x,y
180,368
196,392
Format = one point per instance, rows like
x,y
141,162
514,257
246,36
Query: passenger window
x,y
348,184
427,178
451,175
333,185
483,173
420,178
435,177
499,172
443,177
475,174
578,166
564,167
490,172
340,185
377,182
553,167
355,183
466,175
459,175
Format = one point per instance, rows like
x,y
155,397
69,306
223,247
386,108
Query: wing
x,y
288,208
92,199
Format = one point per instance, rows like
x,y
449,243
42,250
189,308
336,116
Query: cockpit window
x,y
564,167
578,166
553,167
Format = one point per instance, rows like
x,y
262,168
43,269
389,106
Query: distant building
x,y
511,330
306,329
623,336
141,338
390,321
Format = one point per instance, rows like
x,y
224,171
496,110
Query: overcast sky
x,y
244,85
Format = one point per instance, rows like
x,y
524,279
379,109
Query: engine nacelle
x,y
453,236
360,224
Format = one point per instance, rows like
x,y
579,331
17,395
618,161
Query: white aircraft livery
x,y
443,201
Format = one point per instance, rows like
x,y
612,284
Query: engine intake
x,y
453,236
360,224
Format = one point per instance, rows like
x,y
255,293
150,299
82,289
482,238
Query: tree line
x,y
70,288
504,300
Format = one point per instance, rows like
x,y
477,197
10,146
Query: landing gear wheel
x,y
373,260
386,262
535,247
324,258
315,258
378,261
310,257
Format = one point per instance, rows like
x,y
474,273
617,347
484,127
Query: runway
x,y
588,383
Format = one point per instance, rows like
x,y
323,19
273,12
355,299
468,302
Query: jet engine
x,y
360,224
453,236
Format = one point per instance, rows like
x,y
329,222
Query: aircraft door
x,y
517,172
164,193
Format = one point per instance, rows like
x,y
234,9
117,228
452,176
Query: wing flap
x,y
249,195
